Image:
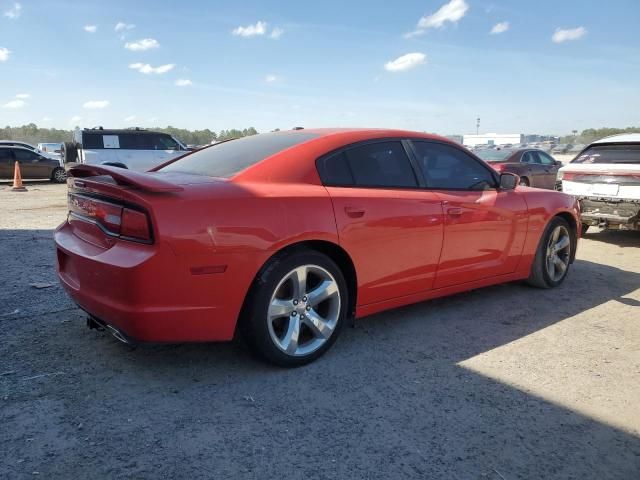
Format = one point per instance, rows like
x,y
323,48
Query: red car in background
x,y
534,167
287,235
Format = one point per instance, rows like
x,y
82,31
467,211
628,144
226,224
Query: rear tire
x,y
296,308
59,175
553,257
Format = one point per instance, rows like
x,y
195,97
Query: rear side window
x,y
381,164
5,154
92,141
229,158
629,153
449,168
24,155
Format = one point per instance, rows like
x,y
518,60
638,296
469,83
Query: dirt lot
x,y
501,383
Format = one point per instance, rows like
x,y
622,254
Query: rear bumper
x,y
150,294
619,213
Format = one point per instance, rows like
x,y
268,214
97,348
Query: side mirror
x,y
508,181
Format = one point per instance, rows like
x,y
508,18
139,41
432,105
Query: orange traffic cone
x,y
17,180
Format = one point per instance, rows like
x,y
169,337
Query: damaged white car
x,y
605,178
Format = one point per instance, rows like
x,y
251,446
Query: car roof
x,y
620,138
16,146
116,131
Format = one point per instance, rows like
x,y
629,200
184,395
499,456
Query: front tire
x,y
59,175
296,308
553,257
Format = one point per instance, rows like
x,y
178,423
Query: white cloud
x,y
95,104
147,69
13,104
561,35
14,12
90,28
260,28
405,62
500,28
183,82
4,54
121,26
75,119
142,45
276,33
130,118
23,95
46,119
449,12
271,78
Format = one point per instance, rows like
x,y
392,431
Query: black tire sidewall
x,y
254,325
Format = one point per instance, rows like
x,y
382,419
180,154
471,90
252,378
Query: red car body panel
x,y
212,236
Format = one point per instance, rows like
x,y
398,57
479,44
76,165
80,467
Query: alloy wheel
x,y
558,253
304,310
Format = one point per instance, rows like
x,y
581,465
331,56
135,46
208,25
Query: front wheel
x,y
296,308
59,175
553,258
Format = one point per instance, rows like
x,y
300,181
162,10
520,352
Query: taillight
x,y
498,167
135,225
114,219
568,175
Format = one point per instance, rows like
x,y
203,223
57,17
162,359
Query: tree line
x,y
591,134
33,134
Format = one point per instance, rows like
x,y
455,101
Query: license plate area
x,y
605,189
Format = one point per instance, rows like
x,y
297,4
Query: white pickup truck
x,y
605,178
133,148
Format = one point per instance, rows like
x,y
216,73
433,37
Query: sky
x,y
522,66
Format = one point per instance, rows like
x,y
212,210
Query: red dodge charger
x,y
286,236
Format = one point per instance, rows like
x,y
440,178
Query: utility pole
x,y
478,126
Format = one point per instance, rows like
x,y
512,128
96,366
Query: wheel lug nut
x,y
293,314
308,308
295,302
304,299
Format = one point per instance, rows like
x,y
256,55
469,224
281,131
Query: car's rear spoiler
x,y
122,176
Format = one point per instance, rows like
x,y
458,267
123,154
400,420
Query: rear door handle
x,y
354,212
454,211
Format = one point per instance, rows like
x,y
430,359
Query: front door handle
x,y
454,211
354,212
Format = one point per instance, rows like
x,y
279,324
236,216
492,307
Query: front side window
x,y
545,159
449,168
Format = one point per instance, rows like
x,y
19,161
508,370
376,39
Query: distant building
x,y
455,138
493,139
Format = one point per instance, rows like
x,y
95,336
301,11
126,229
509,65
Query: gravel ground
x,y
501,383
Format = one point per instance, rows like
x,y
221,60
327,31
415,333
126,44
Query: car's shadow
x,y
389,400
621,238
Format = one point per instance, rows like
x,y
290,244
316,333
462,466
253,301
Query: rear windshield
x,y
491,155
228,158
629,153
